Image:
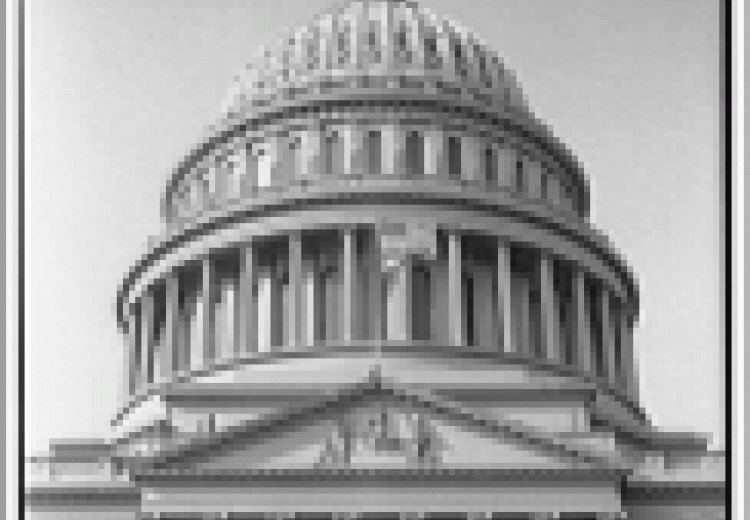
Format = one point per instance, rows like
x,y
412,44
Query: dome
x,y
377,187
377,40
353,65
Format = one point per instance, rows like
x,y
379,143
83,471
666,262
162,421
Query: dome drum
x,y
352,149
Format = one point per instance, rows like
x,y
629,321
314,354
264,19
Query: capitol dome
x,y
376,182
376,56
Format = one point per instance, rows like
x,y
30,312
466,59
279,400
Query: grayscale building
x,y
378,294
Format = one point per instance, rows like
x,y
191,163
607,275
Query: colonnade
x,y
358,287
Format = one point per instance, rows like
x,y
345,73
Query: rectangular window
x,y
490,166
454,158
374,152
414,154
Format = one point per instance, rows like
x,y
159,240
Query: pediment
x,y
372,426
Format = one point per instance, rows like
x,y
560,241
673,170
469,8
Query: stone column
x,y
311,150
247,301
627,370
508,342
550,317
345,133
350,283
582,320
375,288
394,157
132,357
455,310
171,345
358,152
433,152
207,302
311,289
608,344
405,291
295,290
146,333
470,158
525,344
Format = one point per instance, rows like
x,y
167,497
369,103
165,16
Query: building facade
x,y
377,293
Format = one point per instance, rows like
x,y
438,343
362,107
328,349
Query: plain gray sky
x,y
118,91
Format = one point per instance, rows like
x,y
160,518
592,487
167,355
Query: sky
x,y
119,91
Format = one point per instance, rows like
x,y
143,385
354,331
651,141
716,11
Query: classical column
x,y
312,307
455,310
388,143
405,291
170,361
550,317
207,302
433,151
525,345
506,329
247,302
147,346
132,358
608,344
350,283
375,287
394,156
310,155
345,133
627,369
582,319
294,319
470,158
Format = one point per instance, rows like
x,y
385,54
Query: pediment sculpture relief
x,y
382,434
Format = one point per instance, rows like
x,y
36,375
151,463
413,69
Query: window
x,y
490,166
374,152
454,158
414,154
431,52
